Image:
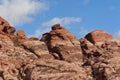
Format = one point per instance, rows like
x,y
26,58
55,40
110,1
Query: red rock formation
x,y
98,36
58,56
4,22
5,27
55,70
63,44
33,38
38,48
102,59
21,34
19,37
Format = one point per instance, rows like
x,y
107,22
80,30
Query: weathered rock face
x,y
38,48
55,70
33,38
19,37
58,56
63,44
21,34
5,27
12,58
98,36
104,59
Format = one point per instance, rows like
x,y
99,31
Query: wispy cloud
x,y
39,32
19,12
65,21
62,21
83,31
86,2
117,35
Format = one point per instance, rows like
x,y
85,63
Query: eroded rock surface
x,y
55,70
103,58
98,37
63,44
5,27
58,55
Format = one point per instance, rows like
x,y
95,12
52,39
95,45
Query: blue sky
x,y
36,17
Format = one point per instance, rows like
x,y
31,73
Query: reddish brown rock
x,y
8,70
103,59
98,36
9,30
19,38
6,39
21,34
33,38
1,28
55,70
107,71
4,22
11,59
5,27
63,44
63,57
57,26
38,48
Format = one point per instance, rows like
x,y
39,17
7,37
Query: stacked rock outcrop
x,y
58,55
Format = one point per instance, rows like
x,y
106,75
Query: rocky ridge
x,y
58,55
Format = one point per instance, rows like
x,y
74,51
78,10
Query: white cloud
x,y
39,32
18,12
46,25
117,35
62,21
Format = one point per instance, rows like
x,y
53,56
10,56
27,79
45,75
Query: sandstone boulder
x,y
19,38
98,36
21,34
